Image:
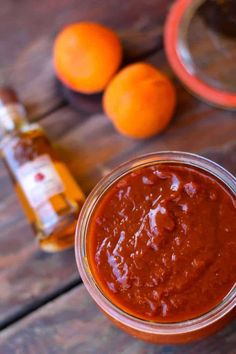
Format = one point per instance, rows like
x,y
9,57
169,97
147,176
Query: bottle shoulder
x,y
30,127
7,139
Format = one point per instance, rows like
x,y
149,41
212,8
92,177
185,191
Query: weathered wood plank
x,y
90,146
226,156
26,55
73,324
28,276
94,147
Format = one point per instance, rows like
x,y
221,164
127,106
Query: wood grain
x,y
90,150
90,146
73,324
26,54
29,277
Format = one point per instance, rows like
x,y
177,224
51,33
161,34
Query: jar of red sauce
x,y
155,248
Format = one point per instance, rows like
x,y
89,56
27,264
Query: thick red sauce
x,y
162,243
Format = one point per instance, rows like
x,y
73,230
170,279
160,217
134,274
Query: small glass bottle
x,y
49,195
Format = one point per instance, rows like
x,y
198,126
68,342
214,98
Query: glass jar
x,y
179,332
200,46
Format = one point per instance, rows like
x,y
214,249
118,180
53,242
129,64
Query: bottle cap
x,y
7,96
12,112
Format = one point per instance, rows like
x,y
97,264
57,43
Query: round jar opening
x,y
138,255
200,46
206,43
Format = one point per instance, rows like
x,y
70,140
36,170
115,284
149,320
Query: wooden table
x,y
44,307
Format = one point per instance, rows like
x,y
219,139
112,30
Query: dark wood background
x,y
44,308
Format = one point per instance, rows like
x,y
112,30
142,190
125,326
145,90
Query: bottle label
x,y
39,180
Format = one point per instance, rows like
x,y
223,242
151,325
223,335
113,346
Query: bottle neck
x,y
12,117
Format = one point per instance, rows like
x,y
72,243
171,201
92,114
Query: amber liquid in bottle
x,y
49,195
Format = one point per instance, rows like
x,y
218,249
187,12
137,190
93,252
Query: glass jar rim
x,y
197,323
180,14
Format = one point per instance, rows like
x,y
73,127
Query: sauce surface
x,y
162,242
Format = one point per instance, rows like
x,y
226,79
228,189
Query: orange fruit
x,y
86,56
140,100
